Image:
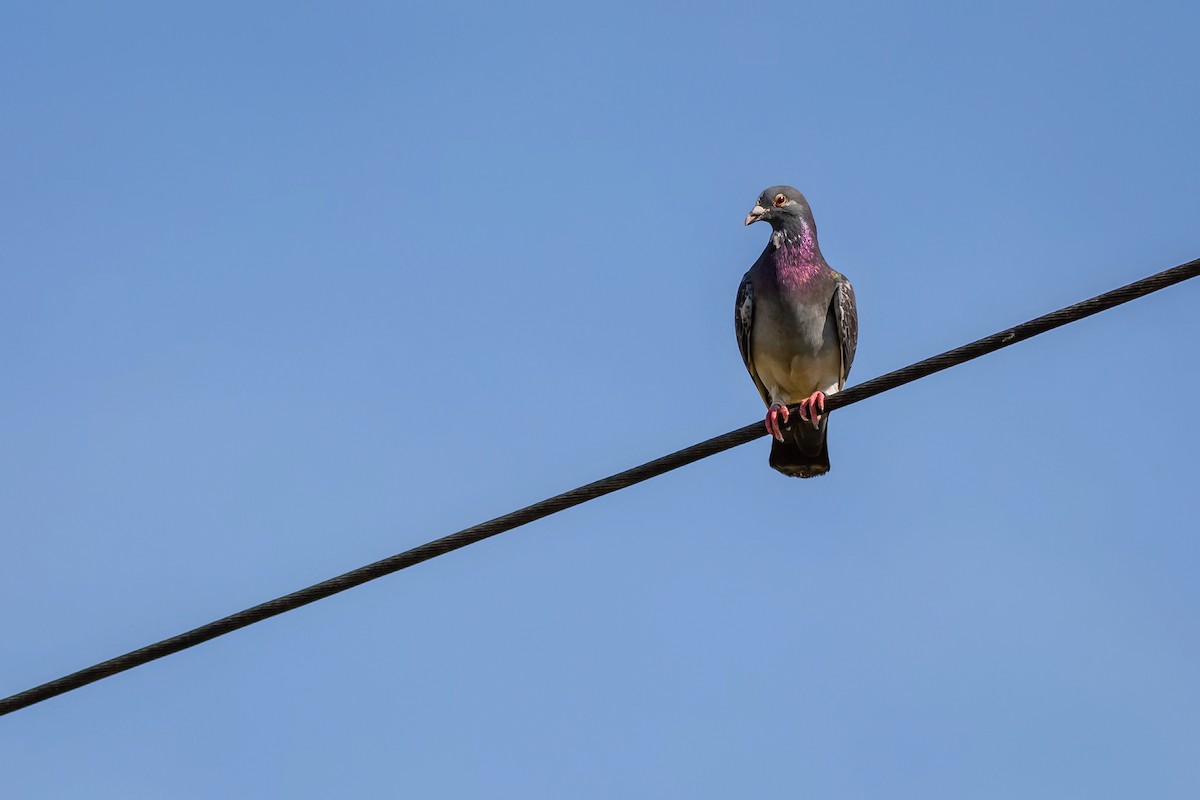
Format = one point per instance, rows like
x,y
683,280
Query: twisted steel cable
x,y
591,491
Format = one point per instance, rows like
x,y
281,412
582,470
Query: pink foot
x,y
812,407
774,414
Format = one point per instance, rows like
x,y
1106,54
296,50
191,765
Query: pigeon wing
x,y
743,325
845,312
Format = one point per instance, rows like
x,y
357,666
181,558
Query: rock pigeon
x,y
797,328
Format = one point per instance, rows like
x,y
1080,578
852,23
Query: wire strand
x,y
591,491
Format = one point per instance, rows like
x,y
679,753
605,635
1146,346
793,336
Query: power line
x,y
591,491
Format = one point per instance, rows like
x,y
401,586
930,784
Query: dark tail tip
x,y
802,453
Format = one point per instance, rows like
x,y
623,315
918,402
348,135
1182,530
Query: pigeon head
x,y
783,207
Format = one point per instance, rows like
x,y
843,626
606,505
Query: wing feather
x,y
743,326
846,312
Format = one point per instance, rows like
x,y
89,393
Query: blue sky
x,y
288,288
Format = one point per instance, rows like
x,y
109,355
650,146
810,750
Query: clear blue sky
x,y
286,288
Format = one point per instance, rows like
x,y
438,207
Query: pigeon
x,y
797,330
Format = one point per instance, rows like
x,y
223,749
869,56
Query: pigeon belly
x,y
797,356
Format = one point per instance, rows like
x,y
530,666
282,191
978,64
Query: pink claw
x,y
815,402
774,413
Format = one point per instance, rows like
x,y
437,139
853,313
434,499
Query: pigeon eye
x,y
780,199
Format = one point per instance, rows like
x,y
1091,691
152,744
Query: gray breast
x,y
795,347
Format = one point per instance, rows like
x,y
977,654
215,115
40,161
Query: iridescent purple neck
x,y
797,257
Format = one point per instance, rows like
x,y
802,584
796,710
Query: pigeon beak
x,y
755,215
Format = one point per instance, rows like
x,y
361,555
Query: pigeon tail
x,y
804,452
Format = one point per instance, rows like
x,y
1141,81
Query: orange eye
x,y
780,199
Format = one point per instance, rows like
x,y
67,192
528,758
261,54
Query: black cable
x,y
591,491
